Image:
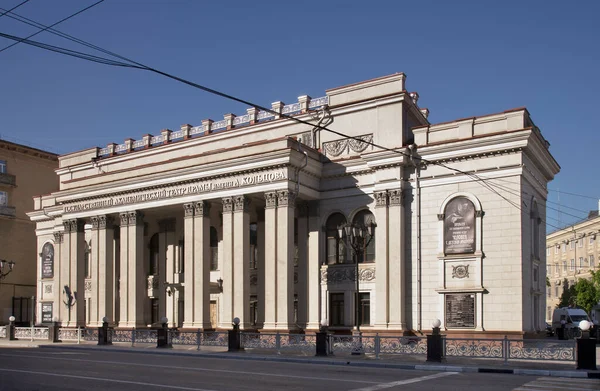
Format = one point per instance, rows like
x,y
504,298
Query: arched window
x,y
153,264
336,248
364,218
459,226
214,249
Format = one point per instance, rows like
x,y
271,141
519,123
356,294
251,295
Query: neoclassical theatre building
x,y
239,218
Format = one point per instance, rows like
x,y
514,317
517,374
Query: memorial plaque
x,y
460,310
459,226
46,312
48,261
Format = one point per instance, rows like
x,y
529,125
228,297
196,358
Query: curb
x,y
341,362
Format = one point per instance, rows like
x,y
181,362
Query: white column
x,y
315,235
227,265
74,292
58,308
260,286
285,260
166,270
241,266
124,299
189,320
381,261
270,264
137,272
102,270
302,269
202,265
396,277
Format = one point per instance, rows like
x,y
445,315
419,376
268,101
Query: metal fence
x,y
31,333
280,342
3,332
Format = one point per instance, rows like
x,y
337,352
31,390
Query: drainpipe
x,y
412,148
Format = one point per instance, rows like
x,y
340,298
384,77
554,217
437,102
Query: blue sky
x,y
465,58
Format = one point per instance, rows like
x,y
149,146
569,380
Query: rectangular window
x,y
181,257
154,310
564,247
579,243
336,301
547,251
87,264
571,244
549,291
555,249
556,291
592,261
253,245
364,309
2,166
592,240
556,268
564,266
572,268
253,310
3,198
581,265
214,258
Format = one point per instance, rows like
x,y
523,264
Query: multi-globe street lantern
x,y
5,268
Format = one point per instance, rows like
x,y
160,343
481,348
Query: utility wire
x,y
574,194
13,8
475,177
46,28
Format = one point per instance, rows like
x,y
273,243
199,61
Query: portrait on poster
x,y
459,226
48,261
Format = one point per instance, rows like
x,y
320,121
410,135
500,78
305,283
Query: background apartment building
x,y
571,253
24,173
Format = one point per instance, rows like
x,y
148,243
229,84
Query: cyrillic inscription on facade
x,y
178,191
460,310
46,312
459,226
48,261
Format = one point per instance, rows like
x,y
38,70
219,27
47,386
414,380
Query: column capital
x,y
381,199
286,198
124,218
73,225
241,203
188,210
135,217
201,208
271,200
101,222
396,197
227,204
58,237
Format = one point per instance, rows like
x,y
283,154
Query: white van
x,y
571,317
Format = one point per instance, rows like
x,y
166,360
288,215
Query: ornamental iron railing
x,y
279,342
3,332
31,333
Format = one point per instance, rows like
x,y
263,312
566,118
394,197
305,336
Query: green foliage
x,y
584,293
569,295
548,281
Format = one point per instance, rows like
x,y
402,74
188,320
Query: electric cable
x,y
13,8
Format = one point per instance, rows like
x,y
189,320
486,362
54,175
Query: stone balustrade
x,y
230,121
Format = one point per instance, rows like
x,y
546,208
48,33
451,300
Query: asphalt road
x,y
56,369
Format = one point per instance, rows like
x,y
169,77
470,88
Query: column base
x,y
396,326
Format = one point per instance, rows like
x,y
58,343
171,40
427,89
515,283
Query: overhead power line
x,y
138,65
13,8
575,194
52,25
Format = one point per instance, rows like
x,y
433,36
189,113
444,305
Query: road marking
x,y
557,383
261,374
163,386
407,381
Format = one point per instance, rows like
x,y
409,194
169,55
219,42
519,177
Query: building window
x,y
564,266
253,310
87,259
365,218
556,268
580,243
547,251
564,247
556,249
556,291
253,246
592,239
580,262
2,166
154,255
592,261
336,315
336,248
571,245
549,292
3,198
214,249
364,309
154,310
181,257
572,268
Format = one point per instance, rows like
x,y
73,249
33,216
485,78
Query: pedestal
x,y
586,353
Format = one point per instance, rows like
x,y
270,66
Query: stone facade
x,y
254,204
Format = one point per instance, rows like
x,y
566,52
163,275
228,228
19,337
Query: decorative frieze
x,y
188,210
241,203
201,208
381,199
271,200
58,237
396,197
357,144
227,205
337,275
286,198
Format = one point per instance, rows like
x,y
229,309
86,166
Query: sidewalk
x,y
405,361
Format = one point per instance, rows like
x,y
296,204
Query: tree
x,y
586,294
569,295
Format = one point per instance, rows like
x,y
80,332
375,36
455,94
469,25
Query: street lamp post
x,y
3,267
359,236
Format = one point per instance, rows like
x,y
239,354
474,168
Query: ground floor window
x,y
22,310
253,310
154,310
336,315
364,309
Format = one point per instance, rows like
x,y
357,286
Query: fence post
x,y
133,337
198,335
78,335
505,349
32,331
377,346
278,342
